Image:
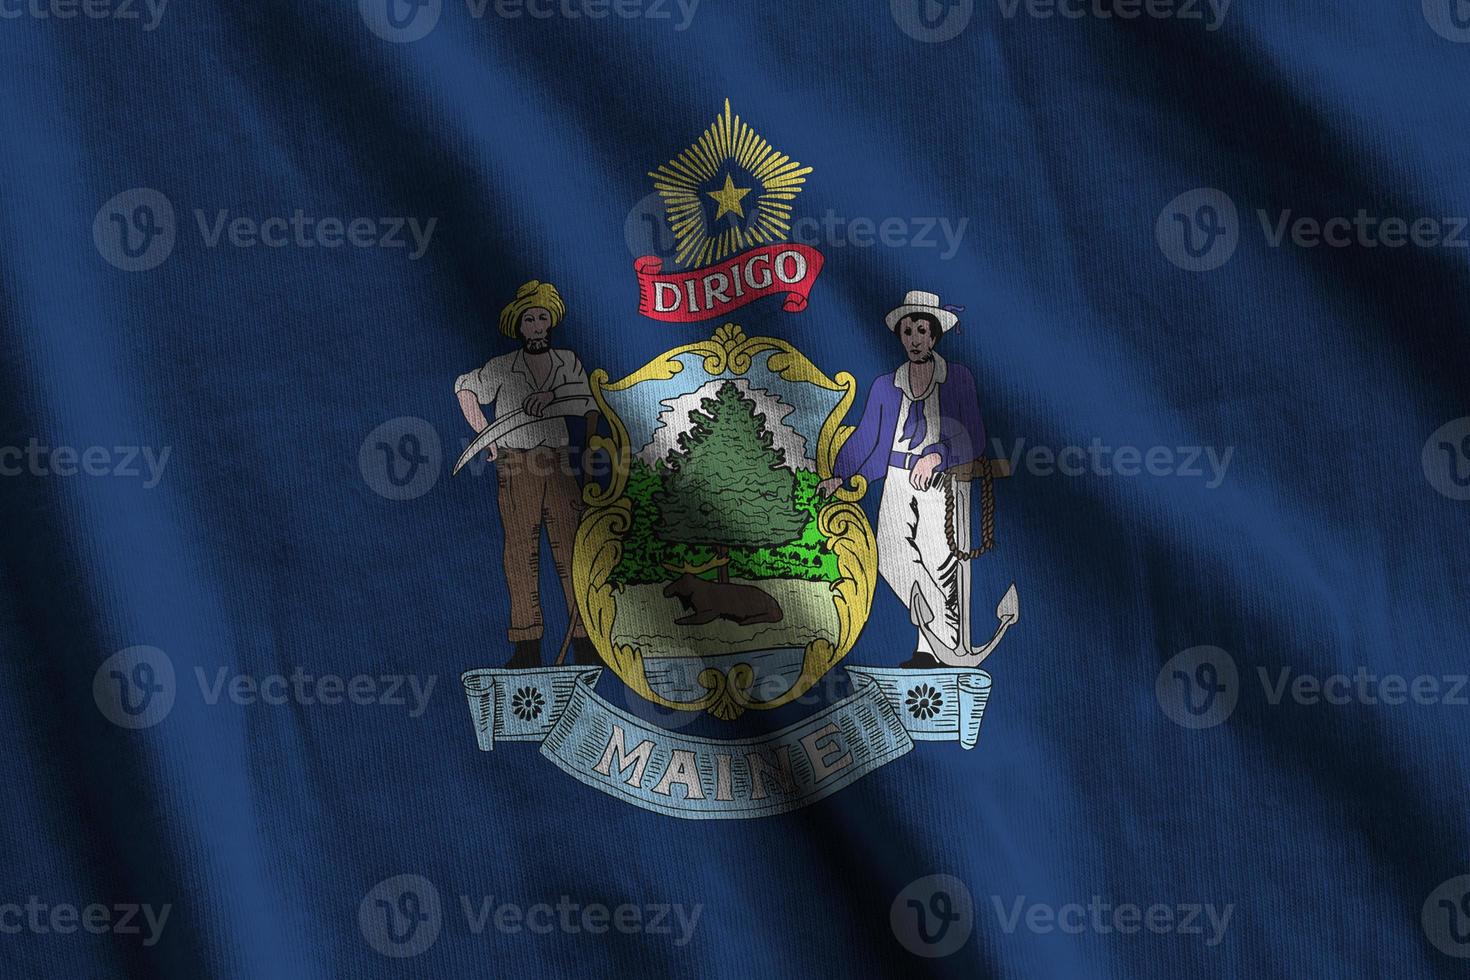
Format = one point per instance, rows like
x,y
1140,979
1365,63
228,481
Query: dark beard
x,y
536,346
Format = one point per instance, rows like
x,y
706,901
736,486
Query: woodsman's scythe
x,y
575,406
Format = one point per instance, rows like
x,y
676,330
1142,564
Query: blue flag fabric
x,y
280,689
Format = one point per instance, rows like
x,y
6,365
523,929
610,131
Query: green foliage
x,y
648,545
727,484
643,553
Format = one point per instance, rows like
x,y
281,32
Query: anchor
x,y
1007,611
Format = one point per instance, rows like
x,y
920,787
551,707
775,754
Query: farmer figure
x,y
532,389
921,429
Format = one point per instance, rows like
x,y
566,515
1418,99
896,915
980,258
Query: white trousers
x,y
913,549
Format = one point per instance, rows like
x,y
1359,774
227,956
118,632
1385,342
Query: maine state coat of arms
x,y
725,565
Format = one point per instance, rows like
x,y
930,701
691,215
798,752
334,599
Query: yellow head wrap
x,y
531,295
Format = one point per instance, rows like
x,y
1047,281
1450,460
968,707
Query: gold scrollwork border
x,y
609,515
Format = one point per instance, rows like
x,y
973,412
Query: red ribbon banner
x,y
692,295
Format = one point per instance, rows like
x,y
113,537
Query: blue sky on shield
x,y
639,407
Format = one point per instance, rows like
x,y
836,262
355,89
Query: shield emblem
x,y
710,574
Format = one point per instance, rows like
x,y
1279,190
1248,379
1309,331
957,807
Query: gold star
x,y
728,198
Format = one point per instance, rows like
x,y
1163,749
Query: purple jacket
x,y
869,451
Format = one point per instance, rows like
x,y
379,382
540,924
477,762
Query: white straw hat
x,y
918,301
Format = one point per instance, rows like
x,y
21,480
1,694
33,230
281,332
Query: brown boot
x,y
584,654
921,661
527,655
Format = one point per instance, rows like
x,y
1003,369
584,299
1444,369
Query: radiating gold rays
x,y
684,181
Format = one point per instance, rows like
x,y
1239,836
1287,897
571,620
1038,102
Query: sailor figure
x,y
921,429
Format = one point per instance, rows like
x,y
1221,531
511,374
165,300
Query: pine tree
x,y
727,486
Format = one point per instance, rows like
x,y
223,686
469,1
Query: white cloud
x,y
673,420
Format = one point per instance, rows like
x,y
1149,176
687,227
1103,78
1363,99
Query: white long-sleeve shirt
x,y
506,383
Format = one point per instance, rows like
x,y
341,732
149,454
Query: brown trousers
x,y
537,487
